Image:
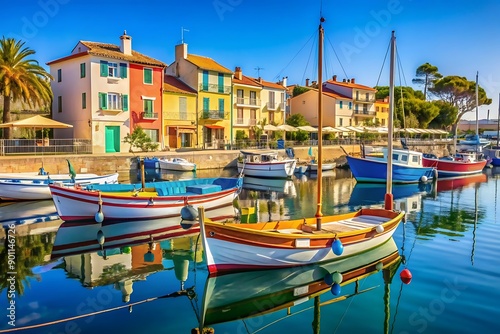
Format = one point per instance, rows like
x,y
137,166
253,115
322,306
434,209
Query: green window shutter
x,y
82,70
221,104
104,68
123,70
59,75
148,76
84,100
206,103
125,102
103,101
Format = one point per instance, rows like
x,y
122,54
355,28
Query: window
x,y
205,80
414,159
376,109
148,107
59,75
182,108
404,158
271,99
148,76
239,117
253,98
367,96
340,104
341,121
114,101
59,104
153,134
239,96
84,100
221,105
206,104
350,105
221,83
113,70
82,70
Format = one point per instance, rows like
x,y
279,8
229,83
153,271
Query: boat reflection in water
x,y
241,295
372,194
82,237
28,212
451,183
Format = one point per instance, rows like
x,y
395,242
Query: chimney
x,y
343,80
181,51
284,81
352,80
126,43
237,73
307,82
260,80
334,78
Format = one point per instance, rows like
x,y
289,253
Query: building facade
x,y
100,89
212,82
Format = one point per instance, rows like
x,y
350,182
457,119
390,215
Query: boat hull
x,y
450,168
313,168
368,170
80,204
25,189
273,169
493,154
181,165
229,248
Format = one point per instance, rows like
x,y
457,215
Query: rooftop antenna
x,y
258,70
182,34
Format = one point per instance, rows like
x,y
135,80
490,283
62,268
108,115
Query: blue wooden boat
x,y
406,168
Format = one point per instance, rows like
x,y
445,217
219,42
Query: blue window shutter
x,y
125,102
123,70
82,70
221,104
221,83
103,101
104,68
205,80
206,104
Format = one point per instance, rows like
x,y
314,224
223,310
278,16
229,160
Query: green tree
x,y
138,138
21,78
447,115
298,120
459,93
297,90
426,75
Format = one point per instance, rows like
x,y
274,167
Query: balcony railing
x,y
363,99
246,101
214,114
281,106
364,113
215,88
272,105
149,115
246,122
183,116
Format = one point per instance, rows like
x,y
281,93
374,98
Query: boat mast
x,y
390,133
477,115
319,195
498,121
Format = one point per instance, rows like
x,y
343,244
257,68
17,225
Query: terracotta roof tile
x,y
174,85
246,81
113,51
206,63
350,85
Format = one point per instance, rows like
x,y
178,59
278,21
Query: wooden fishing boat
x,y
142,201
265,164
458,166
241,295
303,241
407,167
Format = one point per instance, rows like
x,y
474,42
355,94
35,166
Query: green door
x,y
112,139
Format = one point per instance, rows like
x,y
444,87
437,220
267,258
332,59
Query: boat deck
x,y
345,225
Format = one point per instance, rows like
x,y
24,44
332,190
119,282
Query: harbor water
x,y
128,277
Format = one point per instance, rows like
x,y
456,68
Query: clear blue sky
x,y
460,37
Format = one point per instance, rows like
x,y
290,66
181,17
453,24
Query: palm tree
x,y
21,78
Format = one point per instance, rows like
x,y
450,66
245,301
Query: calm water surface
x,y
449,243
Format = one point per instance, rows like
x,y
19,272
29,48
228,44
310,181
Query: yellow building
x,y
382,112
256,100
213,83
179,114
